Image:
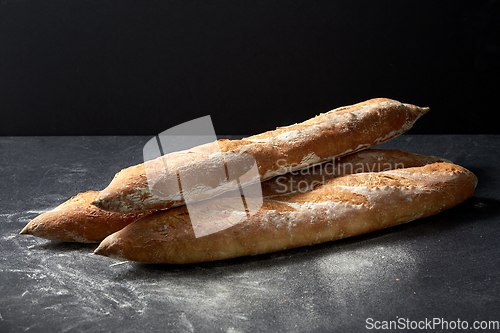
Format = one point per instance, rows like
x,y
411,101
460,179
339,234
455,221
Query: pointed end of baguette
x,y
97,203
105,248
105,202
417,110
116,202
424,110
101,251
26,230
113,247
99,200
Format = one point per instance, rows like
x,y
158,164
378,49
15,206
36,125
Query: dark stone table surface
x,y
441,268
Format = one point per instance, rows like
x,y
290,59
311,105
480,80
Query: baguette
x,y
341,206
369,160
331,135
76,220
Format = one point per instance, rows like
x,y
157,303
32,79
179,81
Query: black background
x,y
139,67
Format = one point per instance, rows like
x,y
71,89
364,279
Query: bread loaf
x,y
334,134
76,220
369,160
337,207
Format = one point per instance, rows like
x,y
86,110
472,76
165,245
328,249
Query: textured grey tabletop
x,y
443,268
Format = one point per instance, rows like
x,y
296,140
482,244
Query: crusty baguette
x,y
344,206
76,220
334,134
369,160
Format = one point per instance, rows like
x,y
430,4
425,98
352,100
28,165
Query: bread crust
x,y
342,206
76,220
328,136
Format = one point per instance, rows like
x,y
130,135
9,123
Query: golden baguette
x,y
341,206
76,220
369,160
331,135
